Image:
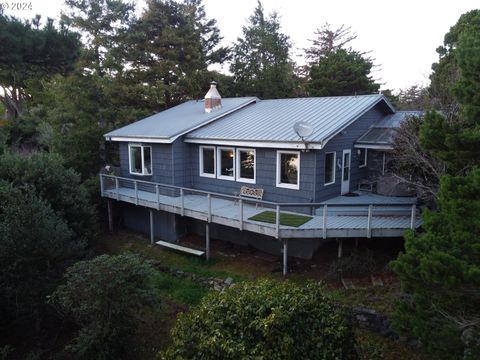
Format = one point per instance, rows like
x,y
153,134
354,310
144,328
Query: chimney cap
x,y
213,92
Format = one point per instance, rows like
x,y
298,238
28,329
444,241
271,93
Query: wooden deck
x,y
369,221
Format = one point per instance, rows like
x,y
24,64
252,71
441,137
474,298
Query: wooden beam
x,y
340,248
285,257
110,215
152,235
207,241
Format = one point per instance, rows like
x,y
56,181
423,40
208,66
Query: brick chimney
x,y
213,100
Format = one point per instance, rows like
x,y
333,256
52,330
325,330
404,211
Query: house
x,y
185,170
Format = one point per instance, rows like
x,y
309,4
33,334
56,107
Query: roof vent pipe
x,y
213,100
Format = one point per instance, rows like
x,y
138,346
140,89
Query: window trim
x,y
334,165
365,159
237,164
142,156
200,155
219,165
278,180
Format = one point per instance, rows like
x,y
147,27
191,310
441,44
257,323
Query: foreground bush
x,y
105,297
263,320
36,246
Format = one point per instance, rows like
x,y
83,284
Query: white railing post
x,y
101,184
182,196
413,215
209,215
136,191
325,217
240,224
117,188
277,221
157,193
369,221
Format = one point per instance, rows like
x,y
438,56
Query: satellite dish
x,y
303,129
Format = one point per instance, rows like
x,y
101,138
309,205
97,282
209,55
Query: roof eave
x,y
297,145
351,121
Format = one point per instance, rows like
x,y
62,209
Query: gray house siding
x,y
162,164
266,162
345,140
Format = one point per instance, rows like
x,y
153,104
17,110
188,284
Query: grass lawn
x,y
285,218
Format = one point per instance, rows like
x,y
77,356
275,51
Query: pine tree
x,y
440,269
261,64
341,72
335,70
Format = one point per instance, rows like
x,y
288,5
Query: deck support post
x,y
110,215
340,248
152,235
207,241
285,257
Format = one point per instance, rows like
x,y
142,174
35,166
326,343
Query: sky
x,y
401,35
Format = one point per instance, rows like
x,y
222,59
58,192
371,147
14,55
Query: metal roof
x,y
167,125
382,132
271,121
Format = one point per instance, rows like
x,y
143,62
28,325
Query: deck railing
x,y
110,182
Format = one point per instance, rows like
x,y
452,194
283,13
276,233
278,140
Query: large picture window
x,y
329,168
140,158
246,165
207,161
288,169
226,163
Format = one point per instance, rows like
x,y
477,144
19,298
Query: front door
x,y
346,171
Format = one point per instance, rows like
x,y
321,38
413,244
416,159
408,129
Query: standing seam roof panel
x,y
273,120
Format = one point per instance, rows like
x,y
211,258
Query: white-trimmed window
x,y
362,157
140,159
246,169
207,161
226,163
288,169
330,158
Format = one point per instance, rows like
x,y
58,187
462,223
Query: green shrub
x,y
36,246
57,185
105,297
263,320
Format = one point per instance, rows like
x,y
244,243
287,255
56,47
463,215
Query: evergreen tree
x,y
455,137
30,54
445,72
103,23
341,72
261,64
333,69
169,49
440,273
440,270
328,40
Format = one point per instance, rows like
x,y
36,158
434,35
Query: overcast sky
x,y
401,35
